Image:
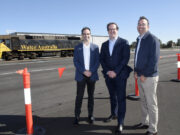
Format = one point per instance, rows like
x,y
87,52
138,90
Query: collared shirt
x,y
111,45
86,53
138,46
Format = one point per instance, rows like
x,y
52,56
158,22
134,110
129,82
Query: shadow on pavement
x,y
97,98
56,126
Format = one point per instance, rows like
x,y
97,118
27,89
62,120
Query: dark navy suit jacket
x,y
118,60
148,56
79,62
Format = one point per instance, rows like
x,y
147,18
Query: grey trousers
x,y
149,104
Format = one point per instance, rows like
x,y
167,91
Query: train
x,y
22,45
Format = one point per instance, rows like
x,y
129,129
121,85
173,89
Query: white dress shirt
x,y
138,46
111,45
86,53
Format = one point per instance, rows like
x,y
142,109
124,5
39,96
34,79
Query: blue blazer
x,y
79,62
148,56
118,61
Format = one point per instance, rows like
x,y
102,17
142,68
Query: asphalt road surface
x,y
53,99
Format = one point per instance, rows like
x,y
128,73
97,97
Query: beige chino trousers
x,y
149,104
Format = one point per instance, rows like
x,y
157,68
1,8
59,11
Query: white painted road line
x,y
31,71
9,64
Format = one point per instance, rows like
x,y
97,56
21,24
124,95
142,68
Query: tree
x,y
163,45
178,42
170,44
133,44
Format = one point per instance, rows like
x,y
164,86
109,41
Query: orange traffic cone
x,y
28,106
136,95
61,70
30,129
178,69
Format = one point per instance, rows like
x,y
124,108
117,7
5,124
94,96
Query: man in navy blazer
x,y
114,58
86,62
146,72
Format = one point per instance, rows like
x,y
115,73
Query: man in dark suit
x,y
114,57
146,72
86,62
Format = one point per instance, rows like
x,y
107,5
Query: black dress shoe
x,y
111,117
140,126
76,121
119,129
149,133
91,119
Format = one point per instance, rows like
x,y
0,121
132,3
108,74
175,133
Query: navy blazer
x,y
118,61
148,56
79,62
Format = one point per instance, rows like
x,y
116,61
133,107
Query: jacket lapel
x,y
81,54
107,48
137,40
91,56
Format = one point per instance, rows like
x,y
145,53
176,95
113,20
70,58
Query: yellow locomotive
x,y
31,45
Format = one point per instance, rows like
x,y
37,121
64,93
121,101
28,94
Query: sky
x,y
70,16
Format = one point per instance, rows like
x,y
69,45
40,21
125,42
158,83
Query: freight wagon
x,y
33,45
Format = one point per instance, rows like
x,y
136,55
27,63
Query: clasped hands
x,y
111,74
87,73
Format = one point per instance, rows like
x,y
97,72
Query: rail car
x,y
33,45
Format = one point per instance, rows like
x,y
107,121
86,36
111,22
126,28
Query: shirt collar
x,y
86,46
113,40
141,36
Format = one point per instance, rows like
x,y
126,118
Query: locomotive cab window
x,y
7,43
73,38
1,40
28,37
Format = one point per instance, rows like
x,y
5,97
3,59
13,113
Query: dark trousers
x,y
80,93
117,92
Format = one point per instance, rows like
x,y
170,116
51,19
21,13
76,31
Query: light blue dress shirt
x,y
139,42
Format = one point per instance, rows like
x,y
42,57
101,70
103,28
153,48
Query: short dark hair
x,y
143,17
111,24
85,28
